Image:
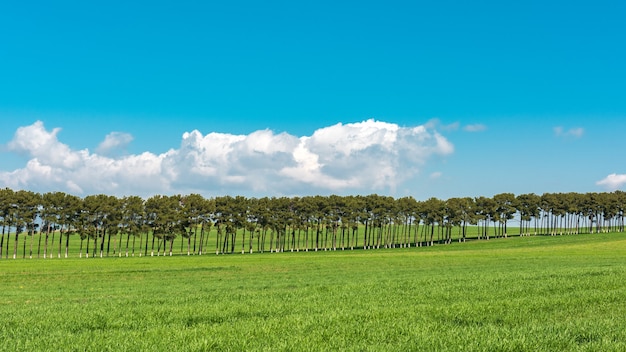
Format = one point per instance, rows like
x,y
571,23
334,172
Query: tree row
x,y
54,224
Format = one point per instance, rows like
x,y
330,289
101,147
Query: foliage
x,y
38,226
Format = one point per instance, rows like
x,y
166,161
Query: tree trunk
x,y
104,235
8,240
140,243
32,238
151,249
225,243
193,249
200,246
109,244
2,240
15,245
146,248
317,235
38,244
95,242
243,241
416,225
60,243
87,250
24,246
298,243
365,235
115,249
217,241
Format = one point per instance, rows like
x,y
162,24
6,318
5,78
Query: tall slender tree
x,y
7,203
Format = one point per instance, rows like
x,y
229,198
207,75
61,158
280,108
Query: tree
x,y
7,204
460,212
133,220
49,215
486,211
528,205
105,216
71,218
315,222
26,210
432,214
162,213
505,204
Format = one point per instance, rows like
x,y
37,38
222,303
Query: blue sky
x,y
527,97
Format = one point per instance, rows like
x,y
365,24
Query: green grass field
x,y
562,293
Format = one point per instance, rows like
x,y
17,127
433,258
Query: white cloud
x,y
36,142
475,128
368,156
576,132
113,141
612,182
435,175
435,123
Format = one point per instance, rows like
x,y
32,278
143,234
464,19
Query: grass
x,y
563,293
117,244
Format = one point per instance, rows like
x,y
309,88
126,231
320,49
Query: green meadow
x,y
537,293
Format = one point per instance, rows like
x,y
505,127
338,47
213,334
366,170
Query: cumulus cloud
x,y
576,132
435,175
43,146
367,156
475,128
114,141
613,182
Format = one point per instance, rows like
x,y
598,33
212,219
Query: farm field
x,y
550,293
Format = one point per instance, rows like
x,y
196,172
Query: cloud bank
x,y
613,182
368,156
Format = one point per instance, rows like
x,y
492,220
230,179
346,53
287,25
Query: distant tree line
x,y
44,225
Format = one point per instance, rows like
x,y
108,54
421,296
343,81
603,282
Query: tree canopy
x,y
44,224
